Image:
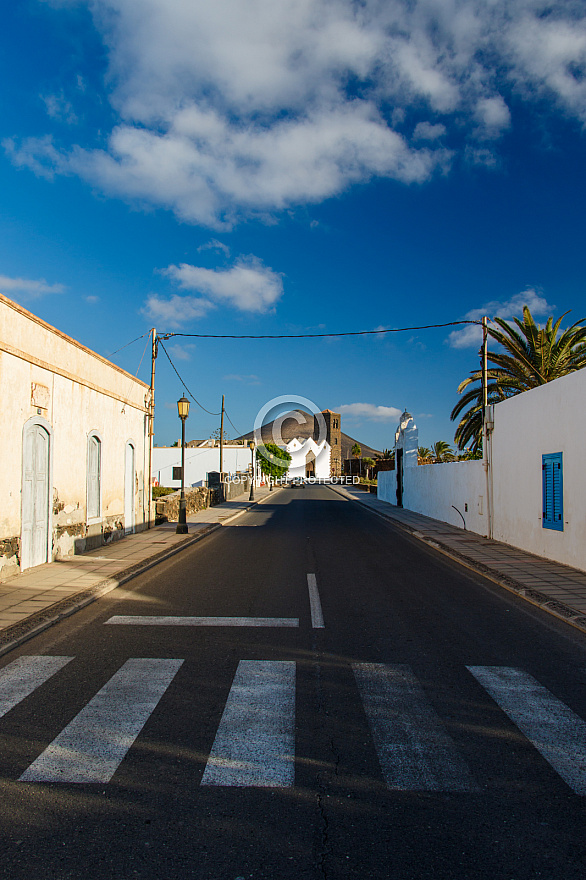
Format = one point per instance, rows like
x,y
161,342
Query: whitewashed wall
x,y
299,450
551,418
432,489
198,463
548,419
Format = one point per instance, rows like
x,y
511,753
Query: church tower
x,y
333,437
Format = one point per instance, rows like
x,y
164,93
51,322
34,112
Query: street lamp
x,y
251,447
183,410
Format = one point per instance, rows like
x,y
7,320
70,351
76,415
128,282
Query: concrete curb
x,y
540,600
12,637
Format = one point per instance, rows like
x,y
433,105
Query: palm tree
x,y
356,452
368,464
442,451
424,454
388,454
530,355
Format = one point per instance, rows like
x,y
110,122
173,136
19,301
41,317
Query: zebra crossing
x,y
254,745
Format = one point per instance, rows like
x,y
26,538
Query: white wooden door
x,y
129,490
35,497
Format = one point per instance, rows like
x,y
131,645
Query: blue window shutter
x,y
553,491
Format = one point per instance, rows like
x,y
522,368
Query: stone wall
x,y
232,489
9,557
195,499
199,498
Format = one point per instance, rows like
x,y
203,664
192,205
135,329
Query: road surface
x,y
308,693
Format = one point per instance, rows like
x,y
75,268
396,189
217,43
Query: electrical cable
x,y
233,425
195,400
320,335
112,353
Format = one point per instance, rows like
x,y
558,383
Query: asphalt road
x,y
433,727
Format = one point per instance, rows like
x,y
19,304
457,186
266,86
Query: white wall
x,y
299,450
551,418
198,463
432,489
547,419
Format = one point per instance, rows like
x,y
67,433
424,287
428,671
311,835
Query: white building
x,y
533,493
199,462
74,444
308,458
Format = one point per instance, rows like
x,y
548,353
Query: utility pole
x,y
154,350
485,450
222,440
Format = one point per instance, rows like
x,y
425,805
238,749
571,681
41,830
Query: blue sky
x,y
293,166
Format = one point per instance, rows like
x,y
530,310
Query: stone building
x,y
74,444
333,438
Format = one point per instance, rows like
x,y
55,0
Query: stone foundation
x,y
9,557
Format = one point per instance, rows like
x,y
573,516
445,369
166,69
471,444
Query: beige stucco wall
x,y
46,374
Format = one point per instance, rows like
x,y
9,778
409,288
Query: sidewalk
x,y
41,596
556,588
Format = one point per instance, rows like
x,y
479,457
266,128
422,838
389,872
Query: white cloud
x,y
369,411
58,107
175,311
425,131
231,109
215,245
249,286
250,379
28,286
493,117
181,352
471,335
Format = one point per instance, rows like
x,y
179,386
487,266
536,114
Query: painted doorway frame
x,y
26,552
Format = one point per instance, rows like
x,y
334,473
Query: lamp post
x,y
251,447
183,410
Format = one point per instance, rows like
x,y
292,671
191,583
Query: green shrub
x,y
158,491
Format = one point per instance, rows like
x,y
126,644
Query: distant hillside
x,y
291,428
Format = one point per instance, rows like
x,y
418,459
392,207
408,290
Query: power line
x,y
233,425
112,353
195,400
319,335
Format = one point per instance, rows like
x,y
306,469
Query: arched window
x,y
94,474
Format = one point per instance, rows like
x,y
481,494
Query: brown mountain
x,y
290,427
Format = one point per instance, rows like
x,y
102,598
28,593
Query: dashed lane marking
x,y
317,618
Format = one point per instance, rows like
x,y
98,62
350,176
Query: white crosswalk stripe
x,y
555,731
255,742
414,750
23,676
92,746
